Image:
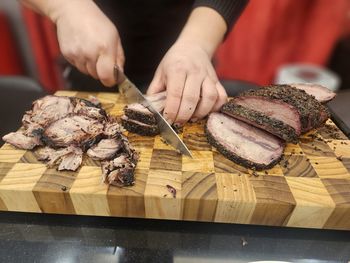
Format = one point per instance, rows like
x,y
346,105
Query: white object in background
x,y
307,73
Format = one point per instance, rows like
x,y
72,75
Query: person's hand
x,y
192,86
88,39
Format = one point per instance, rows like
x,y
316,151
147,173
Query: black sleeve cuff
x,y
230,10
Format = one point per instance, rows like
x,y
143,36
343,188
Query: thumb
x,y
105,69
157,85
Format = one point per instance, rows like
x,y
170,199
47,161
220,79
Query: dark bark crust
x,y
312,112
257,119
140,116
142,130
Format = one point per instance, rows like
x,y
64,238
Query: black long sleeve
x,y
230,10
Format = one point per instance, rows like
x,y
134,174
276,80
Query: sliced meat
x,y
46,110
129,150
75,130
87,108
312,113
94,100
138,112
321,93
119,172
242,143
106,149
112,128
71,161
276,117
138,127
19,140
69,158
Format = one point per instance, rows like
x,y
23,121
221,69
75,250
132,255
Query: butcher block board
x,y
309,188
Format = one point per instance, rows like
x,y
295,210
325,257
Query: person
x,y
167,43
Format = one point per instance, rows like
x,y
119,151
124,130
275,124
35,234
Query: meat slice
x,y
69,158
75,130
112,128
87,108
242,143
321,93
139,127
106,149
71,161
119,172
312,112
138,112
19,140
46,110
274,116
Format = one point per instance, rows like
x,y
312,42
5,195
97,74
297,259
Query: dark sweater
x,y
148,28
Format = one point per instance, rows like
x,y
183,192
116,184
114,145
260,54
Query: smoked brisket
x,y
242,143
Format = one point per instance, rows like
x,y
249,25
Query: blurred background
x,y
273,42
270,35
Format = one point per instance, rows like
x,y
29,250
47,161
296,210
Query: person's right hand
x,y
89,40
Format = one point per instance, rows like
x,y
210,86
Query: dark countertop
x,y
57,238
53,238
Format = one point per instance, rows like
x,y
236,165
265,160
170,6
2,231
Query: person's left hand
x,y
193,88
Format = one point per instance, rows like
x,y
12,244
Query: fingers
x,y
190,98
209,96
120,60
157,84
91,68
175,83
104,66
222,97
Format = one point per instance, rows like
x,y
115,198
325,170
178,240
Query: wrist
x,y
55,9
193,40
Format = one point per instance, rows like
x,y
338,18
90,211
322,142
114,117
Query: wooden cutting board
x,y
309,188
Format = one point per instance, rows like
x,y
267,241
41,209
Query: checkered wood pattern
x,y
309,188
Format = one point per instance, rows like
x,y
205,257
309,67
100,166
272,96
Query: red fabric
x,y
10,61
274,32
45,48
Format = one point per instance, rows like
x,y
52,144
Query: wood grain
x,y
274,200
16,189
236,198
339,191
159,202
51,191
88,193
313,203
199,196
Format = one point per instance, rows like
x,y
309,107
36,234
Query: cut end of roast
x,y
321,93
242,143
139,127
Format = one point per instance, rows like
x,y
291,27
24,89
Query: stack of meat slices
x,y
66,127
138,119
254,126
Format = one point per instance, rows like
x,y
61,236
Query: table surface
x,y
56,238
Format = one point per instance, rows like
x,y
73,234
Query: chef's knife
x,y
133,95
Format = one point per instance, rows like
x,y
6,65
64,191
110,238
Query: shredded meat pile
x,y
61,129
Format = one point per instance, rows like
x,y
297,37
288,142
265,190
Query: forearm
x,y
52,8
206,28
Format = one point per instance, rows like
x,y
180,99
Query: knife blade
x,y
134,95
